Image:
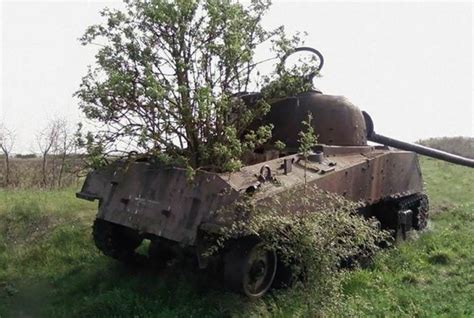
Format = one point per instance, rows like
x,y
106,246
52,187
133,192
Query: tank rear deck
x,y
359,173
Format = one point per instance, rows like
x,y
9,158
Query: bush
x,y
313,233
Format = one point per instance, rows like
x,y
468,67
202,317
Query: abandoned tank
x,y
139,200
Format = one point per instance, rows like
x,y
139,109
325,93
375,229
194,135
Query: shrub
x,y
313,233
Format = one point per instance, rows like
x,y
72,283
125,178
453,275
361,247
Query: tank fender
x,y
99,181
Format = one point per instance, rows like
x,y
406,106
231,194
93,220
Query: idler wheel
x,y
249,268
422,213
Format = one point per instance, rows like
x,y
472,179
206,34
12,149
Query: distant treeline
x,y
462,146
57,171
27,156
31,171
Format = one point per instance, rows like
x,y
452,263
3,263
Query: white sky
x,y
410,65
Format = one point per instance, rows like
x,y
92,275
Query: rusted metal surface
x,y
336,120
422,150
162,202
98,182
361,174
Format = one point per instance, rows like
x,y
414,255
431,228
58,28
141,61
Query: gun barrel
x,y
422,150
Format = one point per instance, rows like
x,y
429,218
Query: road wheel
x,y
116,241
160,253
249,268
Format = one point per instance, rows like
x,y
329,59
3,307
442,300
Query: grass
x,y
49,266
432,275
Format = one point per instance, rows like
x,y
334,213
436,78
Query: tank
x,y
139,200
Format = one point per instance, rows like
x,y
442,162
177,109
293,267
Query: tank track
x,y
418,203
392,218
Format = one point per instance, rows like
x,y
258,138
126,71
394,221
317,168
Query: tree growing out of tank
x,y
307,141
166,77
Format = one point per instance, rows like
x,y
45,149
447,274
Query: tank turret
x,y
340,123
336,120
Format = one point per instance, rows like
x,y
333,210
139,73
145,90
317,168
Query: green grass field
x,y
50,267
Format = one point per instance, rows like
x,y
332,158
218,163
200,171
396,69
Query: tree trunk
x,y
61,169
44,170
7,172
53,172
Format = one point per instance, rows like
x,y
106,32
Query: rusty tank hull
x,y
133,194
140,199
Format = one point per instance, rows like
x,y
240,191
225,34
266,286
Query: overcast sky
x,y
409,65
